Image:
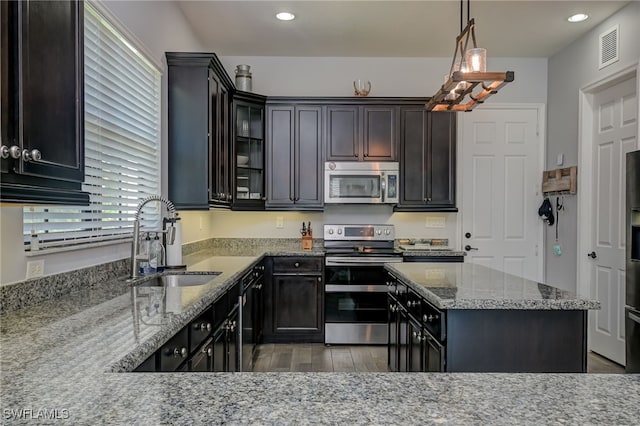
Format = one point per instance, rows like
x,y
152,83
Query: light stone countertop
x,y
58,356
471,286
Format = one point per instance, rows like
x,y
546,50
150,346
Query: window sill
x,y
81,246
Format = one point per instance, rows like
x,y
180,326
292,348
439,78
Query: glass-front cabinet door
x,y
249,152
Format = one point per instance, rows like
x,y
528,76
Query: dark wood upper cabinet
x,y
199,102
294,157
343,133
220,151
362,133
43,101
248,152
442,153
380,133
427,160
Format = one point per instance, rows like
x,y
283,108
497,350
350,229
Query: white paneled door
x,y
614,134
500,155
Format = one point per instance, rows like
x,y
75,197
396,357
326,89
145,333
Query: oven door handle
x,y
360,288
362,261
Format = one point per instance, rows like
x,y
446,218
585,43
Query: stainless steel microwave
x,y
351,182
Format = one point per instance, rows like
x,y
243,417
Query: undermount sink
x,y
180,280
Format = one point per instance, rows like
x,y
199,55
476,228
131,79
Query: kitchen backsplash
x,y
238,224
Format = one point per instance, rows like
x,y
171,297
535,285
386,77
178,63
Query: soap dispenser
x,y
156,256
144,254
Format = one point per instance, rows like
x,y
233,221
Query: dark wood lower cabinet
x,y
173,353
202,360
210,342
414,346
392,329
517,341
483,340
220,349
297,304
294,300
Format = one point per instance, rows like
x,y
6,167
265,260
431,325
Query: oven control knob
x,y
379,232
339,231
330,231
387,232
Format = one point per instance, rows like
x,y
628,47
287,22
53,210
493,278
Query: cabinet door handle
x,y
297,264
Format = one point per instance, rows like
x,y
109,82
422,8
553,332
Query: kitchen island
x,y
57,361
470,318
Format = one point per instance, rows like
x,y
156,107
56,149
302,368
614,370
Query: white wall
x,y
574,67
313,76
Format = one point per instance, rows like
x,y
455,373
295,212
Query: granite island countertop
x,y
58,356
471,286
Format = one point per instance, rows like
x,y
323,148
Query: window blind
x,y
122,146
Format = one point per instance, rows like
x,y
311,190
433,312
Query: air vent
x,y
609,46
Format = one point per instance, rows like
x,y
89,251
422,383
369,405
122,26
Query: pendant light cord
x,y
462,14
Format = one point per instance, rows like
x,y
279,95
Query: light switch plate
x,y
435,222
560,159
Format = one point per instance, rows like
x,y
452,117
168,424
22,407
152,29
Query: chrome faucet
x,y
136,230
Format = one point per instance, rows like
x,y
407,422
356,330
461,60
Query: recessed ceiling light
x,y
285,16
578,17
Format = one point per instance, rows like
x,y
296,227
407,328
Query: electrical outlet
x,y
435,222
279,222
35,268
200,224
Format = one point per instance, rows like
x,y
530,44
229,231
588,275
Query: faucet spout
x,y
136,228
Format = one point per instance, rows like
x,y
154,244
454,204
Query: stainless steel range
x,y
355,289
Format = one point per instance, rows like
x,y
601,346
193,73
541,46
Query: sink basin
x,y
180,280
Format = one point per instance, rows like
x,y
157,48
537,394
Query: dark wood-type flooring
x,y
318,357
301,357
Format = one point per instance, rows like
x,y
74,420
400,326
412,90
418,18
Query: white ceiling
x,y
427,28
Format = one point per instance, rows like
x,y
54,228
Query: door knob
x,y
592,255
469,248
467,235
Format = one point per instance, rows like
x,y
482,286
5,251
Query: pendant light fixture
x,y
468,83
